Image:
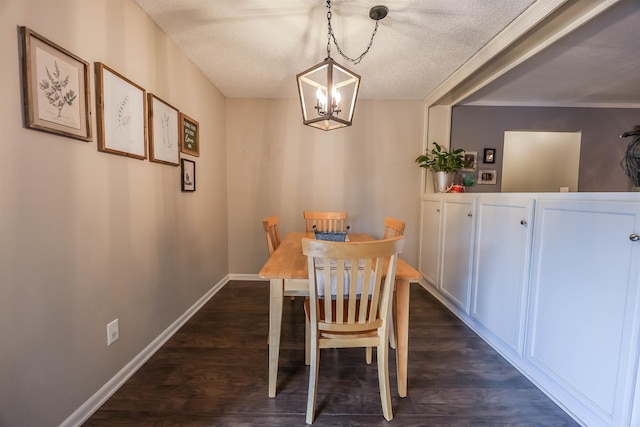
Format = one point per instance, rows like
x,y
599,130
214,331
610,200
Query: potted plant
x,y
631,160
444,164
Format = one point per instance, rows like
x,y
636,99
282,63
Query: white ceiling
x,y
255,48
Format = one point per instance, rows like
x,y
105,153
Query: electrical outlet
x,y
113,332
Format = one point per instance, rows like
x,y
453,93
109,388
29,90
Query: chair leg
x,y
383,380
368,355
307,340
392,331
313,383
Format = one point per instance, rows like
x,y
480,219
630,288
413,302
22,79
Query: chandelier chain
x,y
331,36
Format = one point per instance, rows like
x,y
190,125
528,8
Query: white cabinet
x,y
558,295
582,333
430,239
501,267
457,244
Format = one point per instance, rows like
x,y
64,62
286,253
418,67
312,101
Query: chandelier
x,y
328,91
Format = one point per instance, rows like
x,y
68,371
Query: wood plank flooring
x,y
214,372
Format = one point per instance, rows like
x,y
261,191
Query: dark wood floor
x,y
213,372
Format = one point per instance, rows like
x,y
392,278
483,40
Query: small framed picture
x,y
489,155
487,176
163,132
121,114
189,136
188,168
470,161
56,88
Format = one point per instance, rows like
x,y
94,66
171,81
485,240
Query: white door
x,y
430,242
583,328
457,243
501,267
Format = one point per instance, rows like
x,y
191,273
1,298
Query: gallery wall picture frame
x,y
57,96
189,135
188,175
163,132
489,155
121,115
487,176
470,161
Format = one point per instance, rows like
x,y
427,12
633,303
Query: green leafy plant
x,y
440,160
631,160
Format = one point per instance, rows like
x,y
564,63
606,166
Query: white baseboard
x,y
246,277
82,414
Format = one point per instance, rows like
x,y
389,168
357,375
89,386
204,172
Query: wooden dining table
x,y
287,271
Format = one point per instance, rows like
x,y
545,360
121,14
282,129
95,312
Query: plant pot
x,y
442,181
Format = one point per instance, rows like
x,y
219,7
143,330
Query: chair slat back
x,y
270,225
352,273
325,221
393,227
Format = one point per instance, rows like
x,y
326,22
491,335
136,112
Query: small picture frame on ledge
x,y
470,161
487,176
489,155
188,175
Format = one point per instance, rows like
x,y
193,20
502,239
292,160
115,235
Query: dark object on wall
x,y
631,160
489,155
188,175
189,136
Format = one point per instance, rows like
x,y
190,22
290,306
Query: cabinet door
x,y
583,331
457,242
430,242
501,267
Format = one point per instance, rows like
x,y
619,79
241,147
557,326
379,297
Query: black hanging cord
x,y
376,14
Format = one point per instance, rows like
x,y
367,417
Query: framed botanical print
x,y
189,135
188,169
163,132
56,88
121,114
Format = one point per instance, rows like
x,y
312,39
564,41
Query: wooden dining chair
x,y
325,221
349,304
270,225
393,227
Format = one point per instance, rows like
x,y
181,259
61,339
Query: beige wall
x,y
277,166
87,237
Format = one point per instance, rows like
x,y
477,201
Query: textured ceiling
x,y
254,48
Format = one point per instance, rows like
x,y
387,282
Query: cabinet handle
x,y
438,210
523,222
469,215
634,237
